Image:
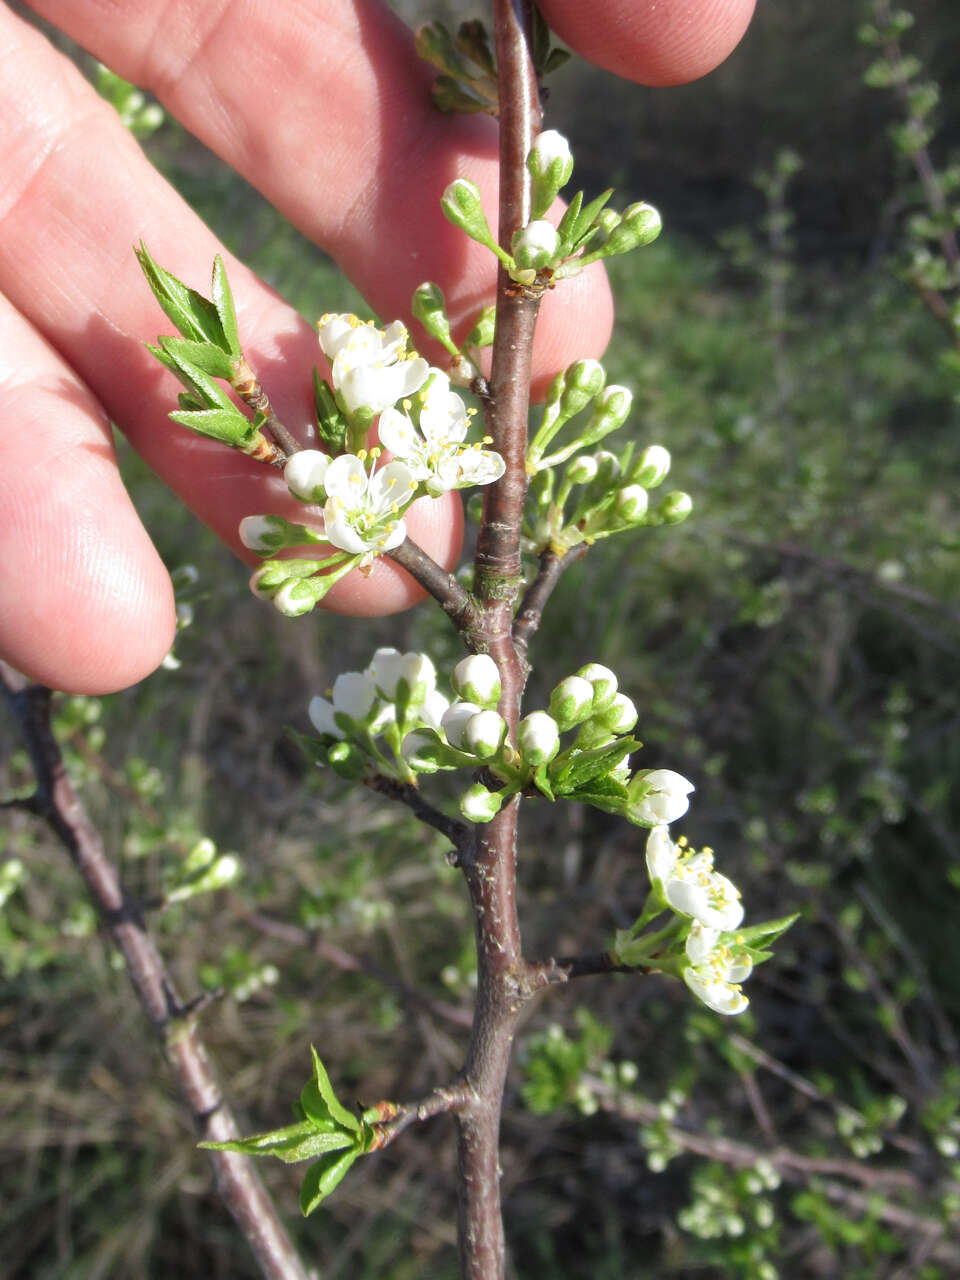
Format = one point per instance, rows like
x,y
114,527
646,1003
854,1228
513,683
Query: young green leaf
x,y
223,301
195,316
201,355
229,426
291,1144
337,1110
577,771
323,1177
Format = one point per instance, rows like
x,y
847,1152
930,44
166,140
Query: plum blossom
x,y
429,438
362,511
716,970
689,883
353,696
371,368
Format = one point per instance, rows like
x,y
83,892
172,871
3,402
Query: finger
x,y
75,192
85,603
326,109
650,41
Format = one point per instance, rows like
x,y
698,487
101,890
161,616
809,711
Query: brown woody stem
x,y
56,801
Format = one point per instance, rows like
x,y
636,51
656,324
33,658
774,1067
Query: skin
x,y
85,603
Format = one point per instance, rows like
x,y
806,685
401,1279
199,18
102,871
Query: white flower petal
x,y
320,712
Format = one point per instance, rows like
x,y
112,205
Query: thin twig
x,y
530,613
457,603
457,832
56,801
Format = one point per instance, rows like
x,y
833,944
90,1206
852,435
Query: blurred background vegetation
x,y
793,648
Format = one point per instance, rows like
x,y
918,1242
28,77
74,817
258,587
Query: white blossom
x,y
389,666
433,446
484,732
371,368
690,884
353,695
362,511
716,971
455,719
665,799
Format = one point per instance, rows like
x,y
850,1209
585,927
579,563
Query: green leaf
x,y
227,425
323,1177
577,771
292,1143
199,384
541,780
767,932
199,355
337,1110
568,222
588,216
223,301
194,316
331,424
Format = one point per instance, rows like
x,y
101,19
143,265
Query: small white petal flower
x,y
353,695
371,368
385,668
433,447
362,511
661,853
304,475
690,884
716,979
665,799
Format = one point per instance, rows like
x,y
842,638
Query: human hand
x,y
328,113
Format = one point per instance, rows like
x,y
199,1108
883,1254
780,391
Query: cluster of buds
x,y
703,942
541,253
597,494
369,713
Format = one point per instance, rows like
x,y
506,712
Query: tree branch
x,y
56,801
530,613
457,603
457,832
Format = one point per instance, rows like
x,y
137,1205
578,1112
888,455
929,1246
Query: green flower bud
x,y
477,679
477,804
640,224
675,507
461,206
571,701
430,308
484,733
582,470
347,760
538,738
582,381
631,504
481,335
304,474
651,468
620,716
604,684
551,165
535,245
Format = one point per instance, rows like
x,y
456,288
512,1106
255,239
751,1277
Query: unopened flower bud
x,y
582,381
651,468
582,470
347,760
461,206
455,721
484,733
659,796
631,503
620,716
423,751
477,679
571,701
550,163
604,684
639,225
429,307
304,475
477,804
675,507
538,737
535,245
